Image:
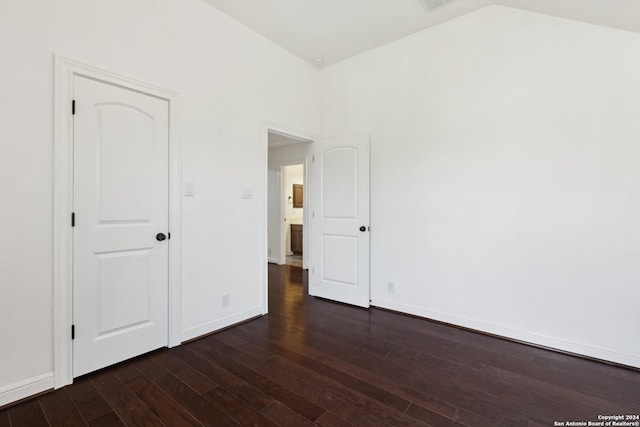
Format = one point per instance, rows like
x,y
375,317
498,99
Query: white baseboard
x,y
272,260
532,338
208,327
26,388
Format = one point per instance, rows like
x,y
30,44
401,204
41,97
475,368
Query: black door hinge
x,y
73,332
73,107
168,235
73,219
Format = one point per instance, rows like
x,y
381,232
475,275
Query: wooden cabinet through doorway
x,y
296,238
297,195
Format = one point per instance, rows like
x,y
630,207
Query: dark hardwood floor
x,y
314,362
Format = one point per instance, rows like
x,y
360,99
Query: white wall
x,y
287,155
505,171
231,82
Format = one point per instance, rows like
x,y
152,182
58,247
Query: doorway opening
x,y
287,236
335,210
293,221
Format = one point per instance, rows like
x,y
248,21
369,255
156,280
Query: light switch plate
x,y
246,193
189,189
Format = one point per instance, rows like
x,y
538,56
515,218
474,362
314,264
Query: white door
x,y
339,262
120,276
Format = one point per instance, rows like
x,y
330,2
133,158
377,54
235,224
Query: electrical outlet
x,y
225,300
391,287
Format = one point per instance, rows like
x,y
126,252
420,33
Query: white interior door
x,y
339,261
120,283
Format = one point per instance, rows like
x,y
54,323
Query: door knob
x,y
363,228
160,237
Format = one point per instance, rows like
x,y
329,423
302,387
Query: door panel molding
x,y
65,70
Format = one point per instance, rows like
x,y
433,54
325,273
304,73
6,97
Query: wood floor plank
x,y
472,397
346,402
320,395
573,391
328,419
474,384
237,409
451,381
288,398
250,394
281,347
574,365
27,414
392,366
60,411
410,366
107,420
301,384
353,358
157,400
443,405
89,402
283,416
4,419
184,372
230,339
358,416
192,401
431,418
123,401
411,331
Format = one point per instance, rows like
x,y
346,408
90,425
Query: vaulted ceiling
x,y
334,30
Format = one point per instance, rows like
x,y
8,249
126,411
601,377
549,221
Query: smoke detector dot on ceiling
x,y
317,61
434,4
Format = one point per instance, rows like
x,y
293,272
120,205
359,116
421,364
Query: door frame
x,y
272,127
65,70
271,258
